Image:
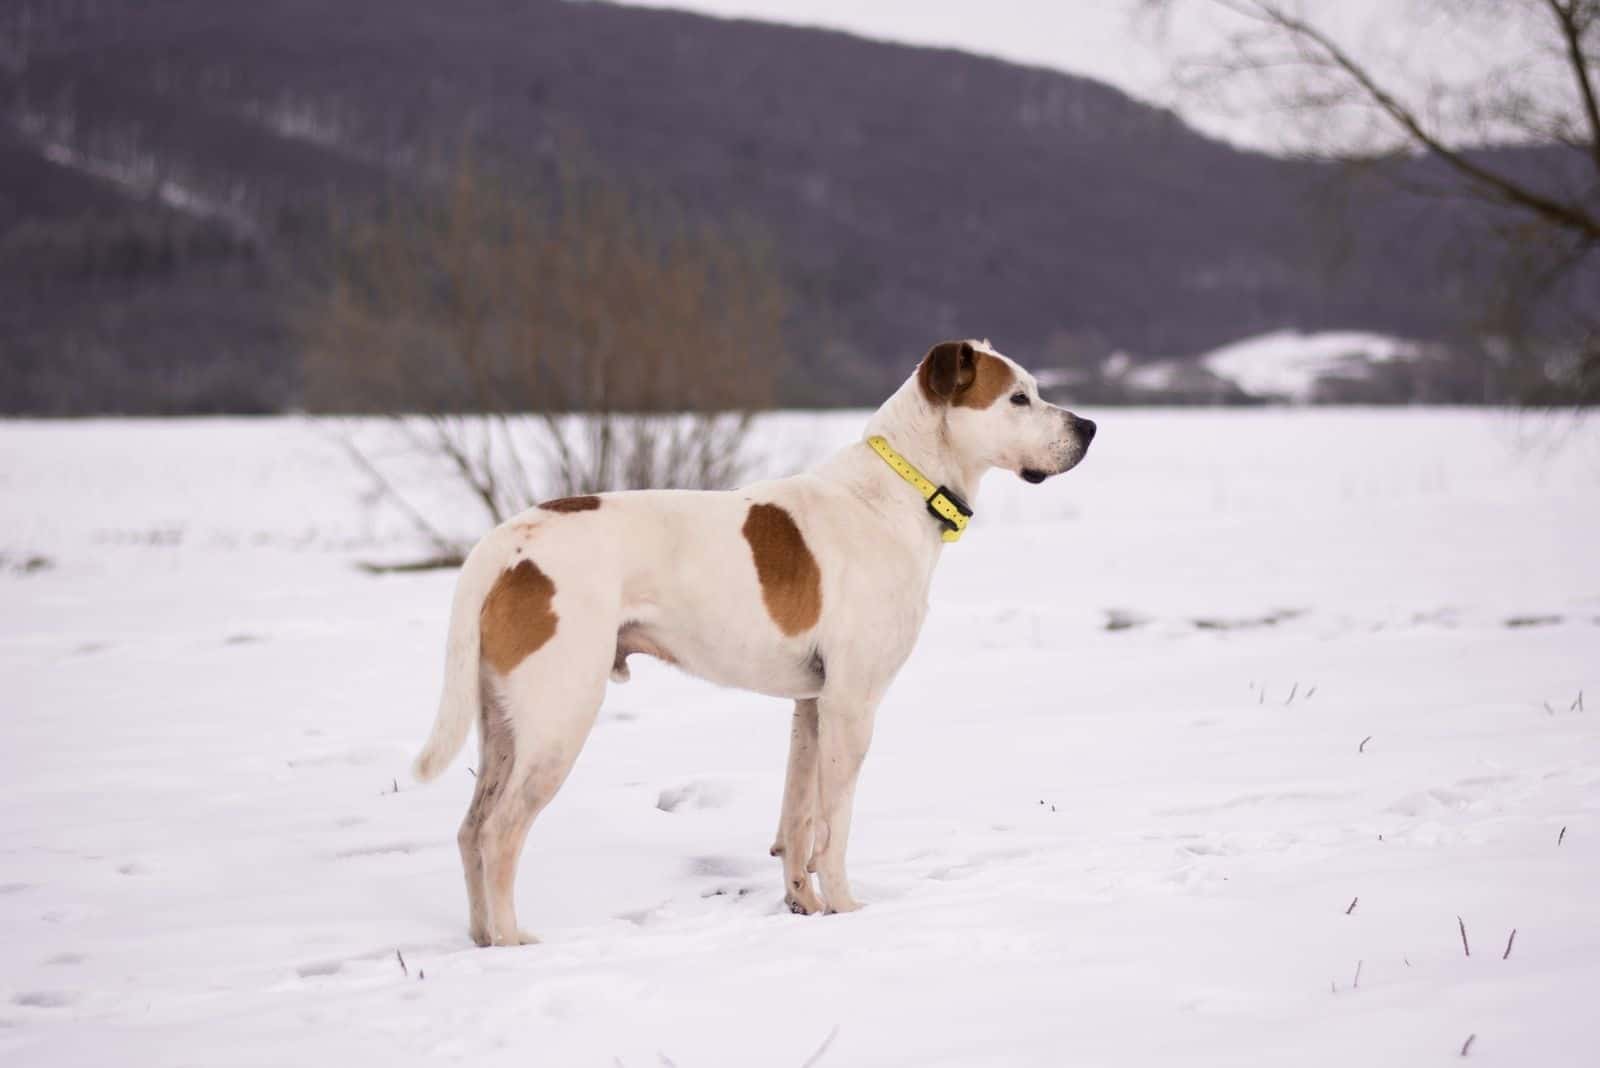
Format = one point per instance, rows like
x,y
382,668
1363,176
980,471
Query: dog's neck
x,y
917,430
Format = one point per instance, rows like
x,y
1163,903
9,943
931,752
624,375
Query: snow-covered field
x,y
1205,749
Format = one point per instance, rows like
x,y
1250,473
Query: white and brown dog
x,y
811,588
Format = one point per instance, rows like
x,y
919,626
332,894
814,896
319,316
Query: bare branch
x,y
1510,191
1569,20
387,488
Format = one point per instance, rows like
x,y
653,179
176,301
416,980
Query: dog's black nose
x,y
1085,428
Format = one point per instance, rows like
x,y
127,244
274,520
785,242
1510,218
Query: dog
x,y
810,588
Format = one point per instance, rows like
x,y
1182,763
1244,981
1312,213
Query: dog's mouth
x,y
1033,474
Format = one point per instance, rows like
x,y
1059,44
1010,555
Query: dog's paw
x,y
801,898
802,904
518,938
843,904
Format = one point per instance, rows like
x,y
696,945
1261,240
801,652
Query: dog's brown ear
x,y
947,369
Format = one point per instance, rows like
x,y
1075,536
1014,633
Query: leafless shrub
x,y
574,338
1539,221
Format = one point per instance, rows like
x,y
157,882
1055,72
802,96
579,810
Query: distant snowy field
x,y
1205,748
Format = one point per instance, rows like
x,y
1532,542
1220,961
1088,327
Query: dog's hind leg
x,y
798,817
551,701
496,755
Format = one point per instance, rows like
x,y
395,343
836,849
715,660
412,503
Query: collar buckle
x,y
942,503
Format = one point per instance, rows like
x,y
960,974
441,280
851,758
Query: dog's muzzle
x,y
1082,431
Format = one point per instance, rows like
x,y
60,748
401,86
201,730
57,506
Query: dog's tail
x,y
458,704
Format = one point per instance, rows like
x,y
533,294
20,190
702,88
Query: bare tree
x,y
1545,215
574,338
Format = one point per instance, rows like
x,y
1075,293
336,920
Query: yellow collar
x,y
944,505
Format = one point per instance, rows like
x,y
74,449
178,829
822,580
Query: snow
x,y
1172,715
1288,365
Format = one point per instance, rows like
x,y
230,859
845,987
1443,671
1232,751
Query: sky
x,y
1123,43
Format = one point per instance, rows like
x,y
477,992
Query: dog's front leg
x,y
844,730
797,821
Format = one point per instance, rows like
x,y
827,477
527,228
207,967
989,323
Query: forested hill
x,y
170,168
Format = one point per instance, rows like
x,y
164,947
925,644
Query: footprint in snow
x,y
360,757
722,867
45,999
735,892
1206,847
1119,619
1255,799
703,793
379,850
319,969
977,863
1269,619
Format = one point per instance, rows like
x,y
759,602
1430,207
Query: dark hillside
x,y
169,168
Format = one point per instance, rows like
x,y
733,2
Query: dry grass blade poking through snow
x,y
816,1058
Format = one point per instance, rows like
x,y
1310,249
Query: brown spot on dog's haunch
x,y
587,503
955,373
517,617
791,583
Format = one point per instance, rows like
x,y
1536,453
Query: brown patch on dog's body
x,y
517,617
791,582
992,379
587,503
955,373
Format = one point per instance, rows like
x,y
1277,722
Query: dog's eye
x,y
1020,399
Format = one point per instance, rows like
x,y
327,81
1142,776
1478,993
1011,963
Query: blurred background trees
x,y
1537,233
177,173
544,338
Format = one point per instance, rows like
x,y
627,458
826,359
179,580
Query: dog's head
x,y
993,414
